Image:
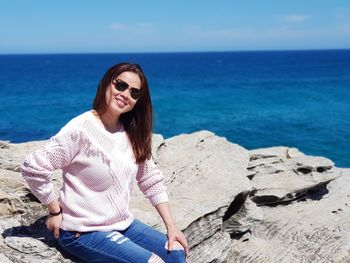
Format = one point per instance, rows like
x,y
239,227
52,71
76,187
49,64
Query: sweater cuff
x,y
48,199
159,198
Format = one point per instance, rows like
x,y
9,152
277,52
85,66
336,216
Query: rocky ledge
x,y
234,205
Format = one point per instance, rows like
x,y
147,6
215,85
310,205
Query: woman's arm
x,y
53,223
174,234
38,167
150,181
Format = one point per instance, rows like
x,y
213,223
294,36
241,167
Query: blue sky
x,y
81,26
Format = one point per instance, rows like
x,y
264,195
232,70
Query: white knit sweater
x,y
98,170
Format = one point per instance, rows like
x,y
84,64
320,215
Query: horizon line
x,y
173,52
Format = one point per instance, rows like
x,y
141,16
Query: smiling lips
x,y
121,102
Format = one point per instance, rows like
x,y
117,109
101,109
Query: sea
x,y
256,99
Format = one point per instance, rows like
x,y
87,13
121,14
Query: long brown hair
x,y
138,122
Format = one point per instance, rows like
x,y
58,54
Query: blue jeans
x,y
138,243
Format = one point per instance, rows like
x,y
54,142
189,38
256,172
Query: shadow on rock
x,y
35,239
37,231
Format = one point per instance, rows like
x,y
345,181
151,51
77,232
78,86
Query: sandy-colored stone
x,y
271,152
309,164
286,186
192,165
157,142
214,249
26,245
12,155
314,230
211,183
4,259
244,219
280,174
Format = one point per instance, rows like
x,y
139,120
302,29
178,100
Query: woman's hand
x,y
54,220
176,235
53,223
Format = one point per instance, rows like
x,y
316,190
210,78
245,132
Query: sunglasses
x,y
121,85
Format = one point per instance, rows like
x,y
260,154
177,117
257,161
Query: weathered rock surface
x,y
278,177
234,205
12,155
196,187
313,230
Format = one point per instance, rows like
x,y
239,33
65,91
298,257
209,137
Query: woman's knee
x,y
155,259
176,246
176,253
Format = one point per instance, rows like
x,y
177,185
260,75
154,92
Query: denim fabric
x,y
135,244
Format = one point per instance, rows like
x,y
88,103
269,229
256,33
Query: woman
x,y
101,153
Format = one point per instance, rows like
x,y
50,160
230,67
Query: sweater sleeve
x,y
38,166
150,181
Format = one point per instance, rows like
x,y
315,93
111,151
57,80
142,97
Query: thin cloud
x,y
219,33
118,26
146,27
295,18
133,28
268,35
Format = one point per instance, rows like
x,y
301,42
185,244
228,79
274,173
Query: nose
x,y
125,93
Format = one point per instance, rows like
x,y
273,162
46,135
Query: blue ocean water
x,y
256,99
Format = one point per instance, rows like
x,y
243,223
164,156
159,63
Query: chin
x,y
119,111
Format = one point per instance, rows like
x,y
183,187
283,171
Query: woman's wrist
x,y
51,213
170,225
54,208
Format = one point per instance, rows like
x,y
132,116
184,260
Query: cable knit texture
x,y
98,170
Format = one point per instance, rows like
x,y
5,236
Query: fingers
x,y
171,240
187,248
56,232
53,224
48,224
183,242
181,239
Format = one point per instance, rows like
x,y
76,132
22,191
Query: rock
x,y
272,189
12,193
30,243
293,153
4,259
314,230
26,245
256,163
280,175
192,165
279,152
10,204
9,223
192,174
244,219
4,145
12,155
309,164
215,249
157,142
212,184
263,251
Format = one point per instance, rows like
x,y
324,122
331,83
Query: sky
x,y
112,26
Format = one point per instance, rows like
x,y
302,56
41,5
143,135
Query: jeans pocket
x,y
67,238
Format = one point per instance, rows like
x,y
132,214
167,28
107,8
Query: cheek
x,y
109,96
132,104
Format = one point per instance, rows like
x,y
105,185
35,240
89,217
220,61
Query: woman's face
x,y
119,102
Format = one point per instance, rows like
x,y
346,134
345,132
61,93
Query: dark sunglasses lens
x,y
121,85
135,93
